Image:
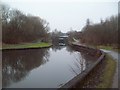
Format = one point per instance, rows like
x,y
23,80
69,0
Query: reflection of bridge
x,y
63,40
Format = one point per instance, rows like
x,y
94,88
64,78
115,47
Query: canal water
x,y
42,68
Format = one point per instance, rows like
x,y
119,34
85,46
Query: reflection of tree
x,y
18,63
69,49
57,47
89,59
82,62
79,64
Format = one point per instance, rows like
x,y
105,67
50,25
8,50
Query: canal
x,y
42,68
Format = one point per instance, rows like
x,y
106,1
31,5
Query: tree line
x,y
103,33
18,27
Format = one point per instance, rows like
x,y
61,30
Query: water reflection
x,y
82,62
79,64
28,68
18,63
57,47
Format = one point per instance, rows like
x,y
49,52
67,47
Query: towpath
x,y
116,56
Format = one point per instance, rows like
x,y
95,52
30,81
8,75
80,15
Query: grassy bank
x,y
101,76
108,48
105,47
108,73
25,45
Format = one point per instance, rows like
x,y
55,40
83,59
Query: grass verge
x,y
25,45
108,48
108,73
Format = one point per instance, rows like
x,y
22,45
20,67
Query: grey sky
x,y
64,15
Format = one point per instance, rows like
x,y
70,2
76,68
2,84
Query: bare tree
x,y
103,33
20,28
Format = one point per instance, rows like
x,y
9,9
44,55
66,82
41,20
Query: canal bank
x,y
82,76
25,46
104,75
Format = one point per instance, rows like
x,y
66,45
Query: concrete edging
x,y
80,77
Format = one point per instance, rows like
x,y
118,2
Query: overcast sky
x,y
66,14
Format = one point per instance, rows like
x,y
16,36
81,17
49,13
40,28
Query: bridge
x,y
63,40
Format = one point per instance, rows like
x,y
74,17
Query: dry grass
x,y
109,70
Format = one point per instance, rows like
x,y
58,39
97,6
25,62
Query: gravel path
x,y
115,55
